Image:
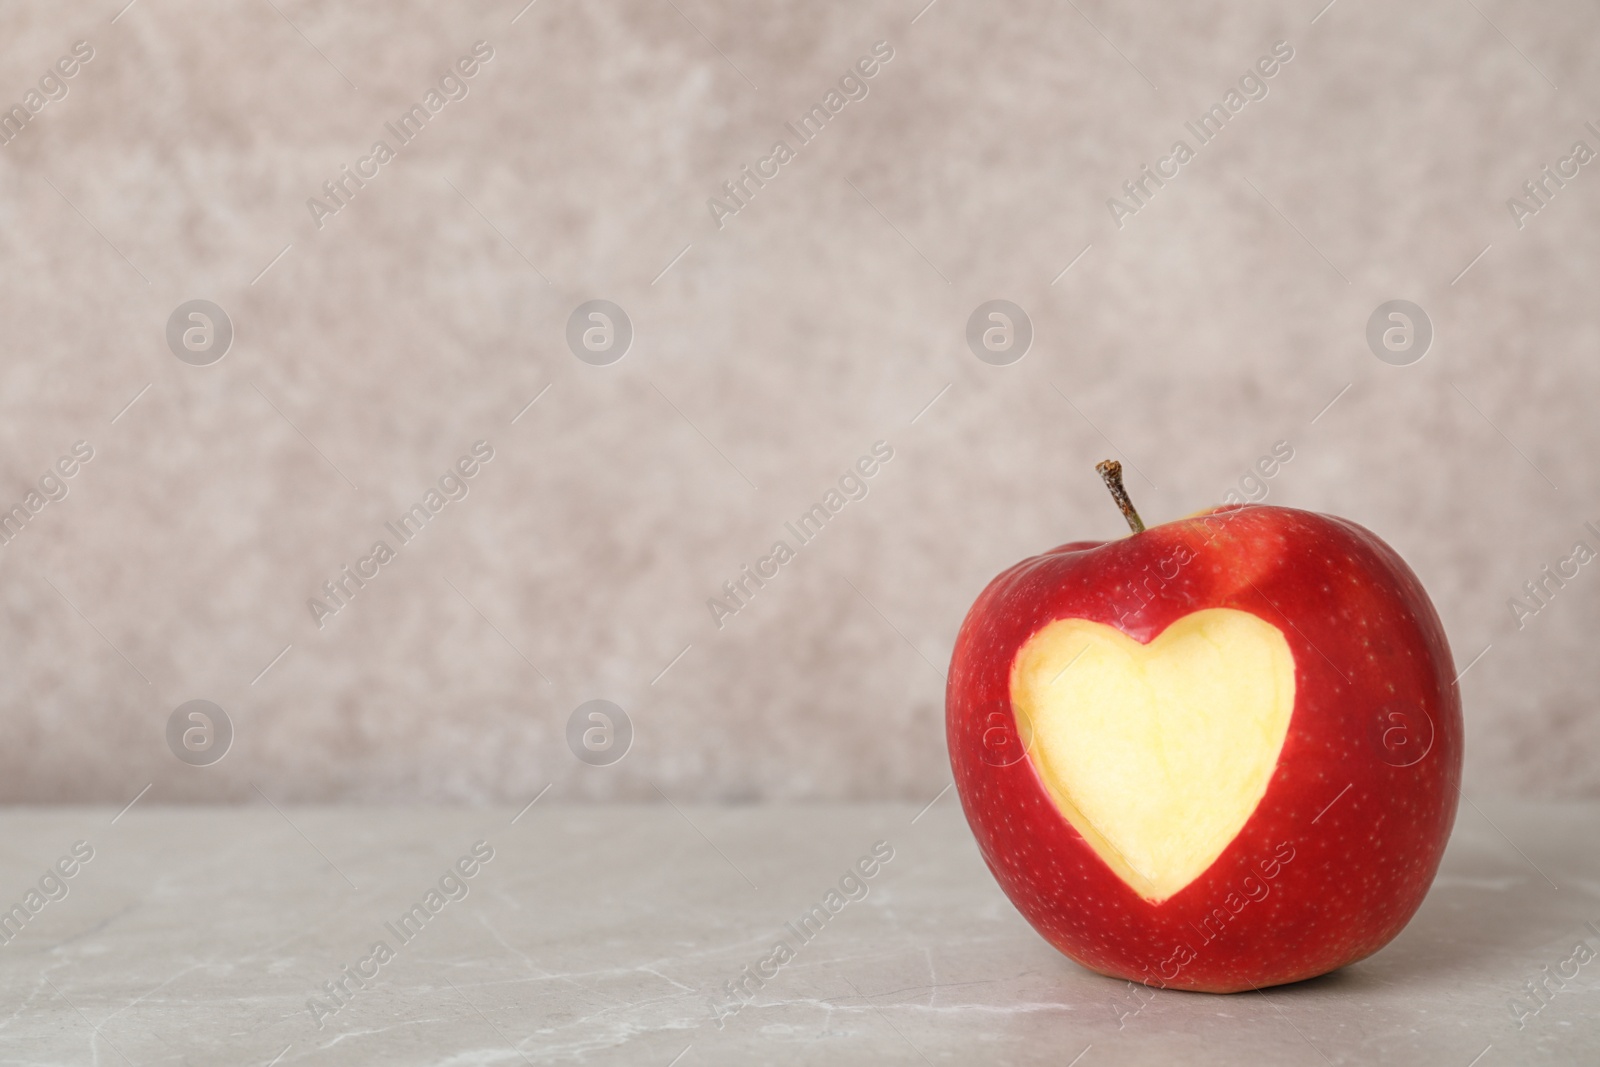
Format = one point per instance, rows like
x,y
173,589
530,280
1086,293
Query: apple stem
x,y
1111,471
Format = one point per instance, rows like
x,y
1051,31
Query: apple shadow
x,y
1481,922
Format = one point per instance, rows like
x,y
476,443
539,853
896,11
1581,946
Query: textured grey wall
x,y
1222,316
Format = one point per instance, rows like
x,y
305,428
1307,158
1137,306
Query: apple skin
x,y
1373,674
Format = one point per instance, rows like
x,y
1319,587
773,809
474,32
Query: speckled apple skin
x,y
1362,833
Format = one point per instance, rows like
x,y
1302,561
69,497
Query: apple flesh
x,y
1157,754
1220,754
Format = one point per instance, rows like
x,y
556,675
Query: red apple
x,y
1218,754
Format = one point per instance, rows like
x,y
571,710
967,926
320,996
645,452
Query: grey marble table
x,y
609,935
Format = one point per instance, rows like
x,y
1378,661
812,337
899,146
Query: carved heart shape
x,y
1158,753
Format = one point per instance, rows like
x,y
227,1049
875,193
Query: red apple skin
x,y
1347,838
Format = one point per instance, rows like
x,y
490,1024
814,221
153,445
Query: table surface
x,y
608,934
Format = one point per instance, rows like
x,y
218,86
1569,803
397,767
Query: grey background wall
x,y
770,352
